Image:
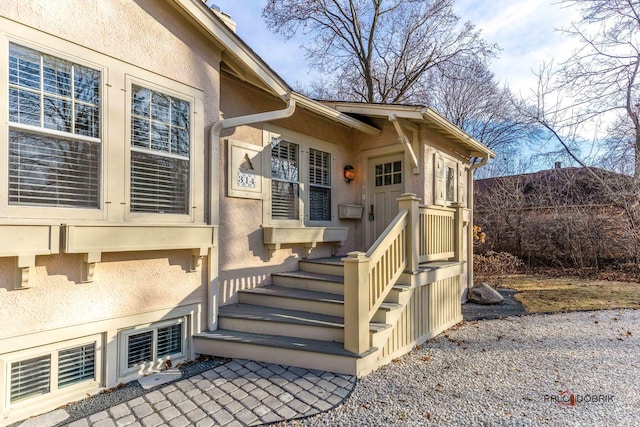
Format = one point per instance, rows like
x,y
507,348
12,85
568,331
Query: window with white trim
x,y
150,346
319,185
450,182
300,182
160,152
52,369
285,180
54,131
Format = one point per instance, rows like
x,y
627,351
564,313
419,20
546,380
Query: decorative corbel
x,y
272,248
24,263
335,247
89,261
196,258
308,247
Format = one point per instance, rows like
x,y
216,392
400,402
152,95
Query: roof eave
x,y
476,148
233,46
333,114
421,114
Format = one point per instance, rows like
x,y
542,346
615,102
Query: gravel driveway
x,y
508,372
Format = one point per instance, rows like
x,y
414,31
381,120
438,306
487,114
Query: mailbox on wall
x,y
244,163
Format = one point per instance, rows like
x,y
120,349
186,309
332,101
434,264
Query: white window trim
x,y
272,134
125,372
115,151
182,92
63,394
453,165
55,47
441,163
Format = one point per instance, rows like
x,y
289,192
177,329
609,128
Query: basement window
x,y
52,370
149,347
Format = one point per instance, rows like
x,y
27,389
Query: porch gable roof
x,y
418,114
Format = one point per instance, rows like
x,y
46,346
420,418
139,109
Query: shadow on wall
x,y
67,268
256,245
232,281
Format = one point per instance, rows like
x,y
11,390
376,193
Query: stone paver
x,y
237,393
49,419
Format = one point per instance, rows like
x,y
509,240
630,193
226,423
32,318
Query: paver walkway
x,y
237,393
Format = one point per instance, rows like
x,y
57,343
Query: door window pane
x,y
388,174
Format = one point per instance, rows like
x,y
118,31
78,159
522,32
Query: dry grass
x,y
552,294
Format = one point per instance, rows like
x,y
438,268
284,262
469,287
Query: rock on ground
x,y
484,294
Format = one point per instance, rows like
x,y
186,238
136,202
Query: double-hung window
x,y
285,181
160,152
300,181
54,131
319,185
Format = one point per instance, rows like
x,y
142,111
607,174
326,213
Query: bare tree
x,y
378,50
582,218
602,74
468,95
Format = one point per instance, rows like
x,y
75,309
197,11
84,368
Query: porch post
x,y
459,235
411,202
356,302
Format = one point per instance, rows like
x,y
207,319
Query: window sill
x,y
275,236
25,241
92,240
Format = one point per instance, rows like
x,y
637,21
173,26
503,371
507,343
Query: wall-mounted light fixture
x,y
349,173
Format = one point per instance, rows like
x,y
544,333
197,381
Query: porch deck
x,y
353,314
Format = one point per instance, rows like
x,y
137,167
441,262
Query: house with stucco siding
x,y
164,194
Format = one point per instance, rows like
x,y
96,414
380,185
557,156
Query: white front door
x,y
386,184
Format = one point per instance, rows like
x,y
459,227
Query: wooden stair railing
x,y
368,277
417,234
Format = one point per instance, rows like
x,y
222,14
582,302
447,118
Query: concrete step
x,y
294,299
331,266
301,352
310,281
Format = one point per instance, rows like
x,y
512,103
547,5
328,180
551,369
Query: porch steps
x,y
302,313
329,283
291,323
331,266
302,352
294,299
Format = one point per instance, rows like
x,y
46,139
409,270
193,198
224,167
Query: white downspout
x,y
214,194
473,167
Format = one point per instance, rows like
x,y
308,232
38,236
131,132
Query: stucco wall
x,y
245,261
150,36
125,284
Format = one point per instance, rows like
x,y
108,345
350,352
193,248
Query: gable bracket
x,y
402,135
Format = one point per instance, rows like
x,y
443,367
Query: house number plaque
x,y
246,180
244,170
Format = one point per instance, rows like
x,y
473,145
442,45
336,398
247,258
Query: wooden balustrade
x,y
387,260
417,234
437,233
368,278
